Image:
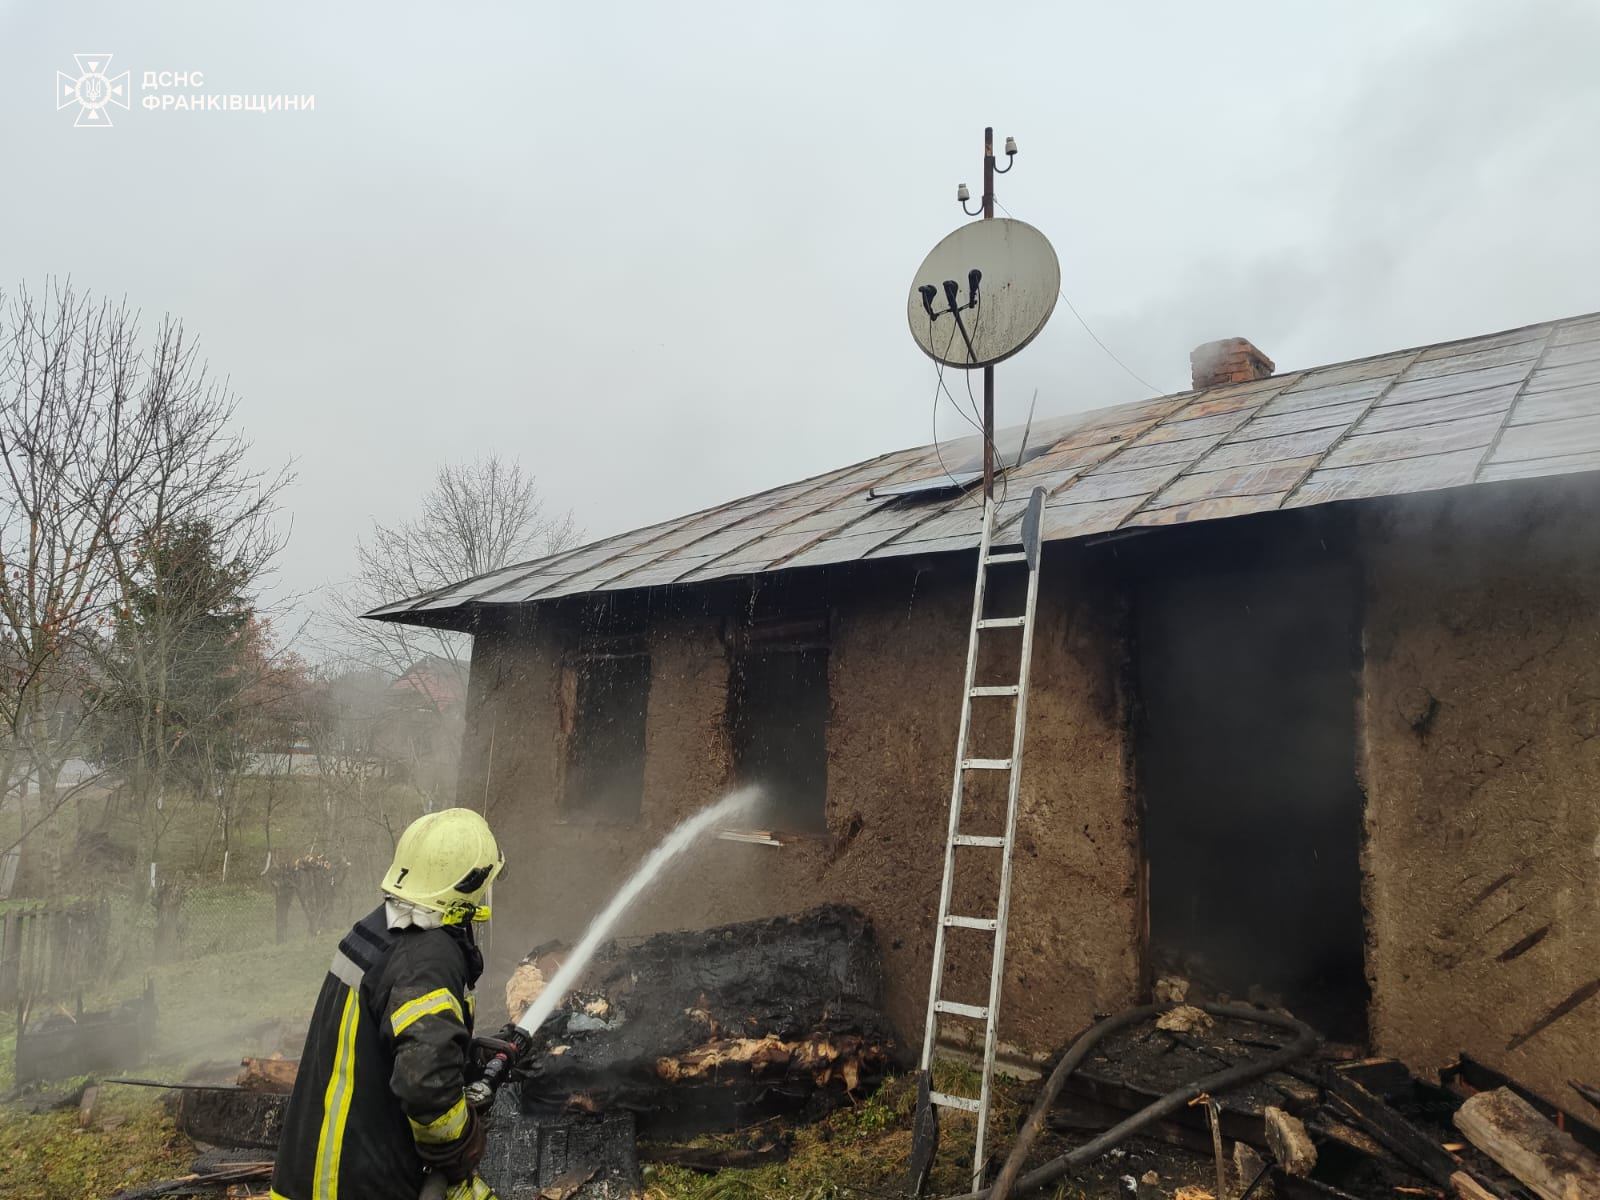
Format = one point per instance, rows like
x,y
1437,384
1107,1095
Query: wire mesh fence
x,y
53,951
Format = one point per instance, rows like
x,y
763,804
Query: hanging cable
x,y
1132,374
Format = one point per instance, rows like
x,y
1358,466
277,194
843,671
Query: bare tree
x,y
109,443
477,517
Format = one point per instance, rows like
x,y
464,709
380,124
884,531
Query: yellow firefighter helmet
x,y
445,862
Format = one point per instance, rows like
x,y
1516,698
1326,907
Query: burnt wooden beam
x,y
1410,1144
1467,1076
1518,1137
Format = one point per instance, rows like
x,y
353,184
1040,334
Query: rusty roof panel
x,y
1272,449
1362,369
1075,457
1237,481
1388,416
1209,404
1336,396
1511,337
1569,375
1180,431
1534,468
1574,435
1553,406
1386,478
1586,329
1209,510
1408,389
1577,352
1157,455
1475,360
843,547
1080,520
1114,485
1332,416
1421,442
1424,419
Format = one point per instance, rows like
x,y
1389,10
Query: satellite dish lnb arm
x,y
951,290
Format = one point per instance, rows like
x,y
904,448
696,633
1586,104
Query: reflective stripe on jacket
x,y
383,1067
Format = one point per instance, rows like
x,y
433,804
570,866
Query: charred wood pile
x,y
1319,1125
709,1029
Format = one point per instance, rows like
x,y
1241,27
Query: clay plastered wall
x,y
896,659
1482,768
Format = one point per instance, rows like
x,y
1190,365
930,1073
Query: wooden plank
x,y
1409,1143
1513,1133
1468,1188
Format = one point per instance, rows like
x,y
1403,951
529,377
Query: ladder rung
x,y
1008,689
955,1009
986,764
978,839
1002,622
964,1103
1008,556
986,923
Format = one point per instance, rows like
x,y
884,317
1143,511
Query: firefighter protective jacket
x,y
384,1065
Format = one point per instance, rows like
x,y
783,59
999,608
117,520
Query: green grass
x,y
131,1140
859,1152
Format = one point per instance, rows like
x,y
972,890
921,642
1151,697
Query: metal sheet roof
x,y
1512,405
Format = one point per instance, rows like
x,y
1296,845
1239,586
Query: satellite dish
x,y
983,293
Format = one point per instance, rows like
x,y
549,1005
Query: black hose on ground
x,y
1008,1183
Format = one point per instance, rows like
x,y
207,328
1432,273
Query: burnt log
x,y
710,1029
232,1116
560,1158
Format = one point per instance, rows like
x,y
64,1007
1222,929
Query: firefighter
x,y
379,1103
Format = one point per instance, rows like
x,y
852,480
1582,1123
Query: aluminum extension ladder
x,y
990,554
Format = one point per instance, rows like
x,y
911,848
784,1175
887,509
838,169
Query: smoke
x,y
684,835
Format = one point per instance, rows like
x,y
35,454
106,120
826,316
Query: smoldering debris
x,y
60,1043
705,1030
1315,1125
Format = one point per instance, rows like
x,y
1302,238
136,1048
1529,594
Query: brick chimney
x,y
1232,360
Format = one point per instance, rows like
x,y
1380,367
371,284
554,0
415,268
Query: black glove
x,y
457,1160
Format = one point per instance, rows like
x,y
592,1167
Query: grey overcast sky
x,y
659,251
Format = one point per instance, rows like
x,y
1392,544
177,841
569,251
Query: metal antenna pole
x,y
988,371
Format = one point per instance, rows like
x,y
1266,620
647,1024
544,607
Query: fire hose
x,y
501,1055
1012,1182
